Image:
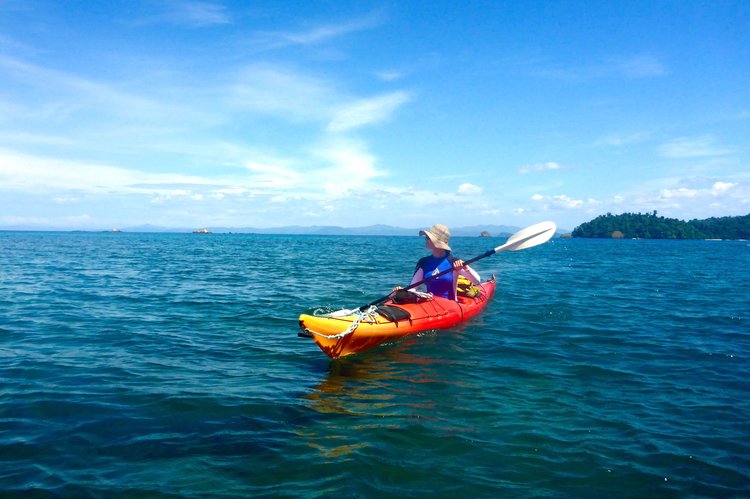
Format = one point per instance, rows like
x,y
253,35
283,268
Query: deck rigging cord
x,y
367,315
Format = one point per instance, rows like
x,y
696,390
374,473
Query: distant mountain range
x,y
370,230
330,230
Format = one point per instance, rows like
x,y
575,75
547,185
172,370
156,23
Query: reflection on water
x,y
390,387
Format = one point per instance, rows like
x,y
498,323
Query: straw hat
x,y
439,235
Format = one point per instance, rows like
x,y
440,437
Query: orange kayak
x,y
339,336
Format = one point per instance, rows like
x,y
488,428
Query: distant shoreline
x,y
373,230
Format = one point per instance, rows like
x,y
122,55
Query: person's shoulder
x,y
421,262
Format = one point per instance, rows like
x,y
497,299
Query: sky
x,y
274,113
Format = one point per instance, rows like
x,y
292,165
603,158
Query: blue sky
x,y
273,113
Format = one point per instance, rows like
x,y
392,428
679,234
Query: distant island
x,y
652,226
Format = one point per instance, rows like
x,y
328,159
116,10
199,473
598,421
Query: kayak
x,y
355,332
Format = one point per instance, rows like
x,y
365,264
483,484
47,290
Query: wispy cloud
x,y
189,14
60,95
37,139
470,189
695,197
390,75
298,96
693,147
265,176
283,91
686,198
558,201
367,111
274,40
642,66
714,190
26,173
539,167
330,170
349,166
623,139
633,67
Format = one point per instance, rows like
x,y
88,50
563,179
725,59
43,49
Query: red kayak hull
x,y
332,336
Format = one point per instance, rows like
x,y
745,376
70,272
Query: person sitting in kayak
x,y
436,240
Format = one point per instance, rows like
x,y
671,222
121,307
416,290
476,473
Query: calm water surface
x,y
169,365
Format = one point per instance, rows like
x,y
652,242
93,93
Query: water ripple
x,y
167,365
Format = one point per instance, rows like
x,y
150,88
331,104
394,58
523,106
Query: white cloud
x,y
682,192
722,187
331,170
632,67
470,189
558,201
350,167
65,200
539,167
621,140
20,172
390,75
164,196
188,14
714,190
282,91
199,14
35,139
267,41
640,66
685,199
269,176
233,191
696,147
299,97
62,109
567,202
367,111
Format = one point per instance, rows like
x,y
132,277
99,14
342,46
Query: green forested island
x,y
652,226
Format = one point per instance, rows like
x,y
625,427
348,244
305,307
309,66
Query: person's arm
x,y
466,271
470,274
418,275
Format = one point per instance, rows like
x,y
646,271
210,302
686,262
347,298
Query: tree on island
x,y
652,226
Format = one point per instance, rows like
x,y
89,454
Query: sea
x,y
168,365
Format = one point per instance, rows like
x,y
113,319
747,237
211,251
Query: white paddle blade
x,y
530,236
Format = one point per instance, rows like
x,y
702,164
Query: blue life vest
x,y
441,286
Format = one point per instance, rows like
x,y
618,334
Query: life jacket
x,y
464,287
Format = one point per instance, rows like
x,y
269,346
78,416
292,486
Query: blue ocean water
x,y
169,365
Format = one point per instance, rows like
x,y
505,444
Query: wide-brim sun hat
x,y
439,235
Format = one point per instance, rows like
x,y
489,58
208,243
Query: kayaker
x,y
436,240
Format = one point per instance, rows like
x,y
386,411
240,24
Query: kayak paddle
x,y
529,237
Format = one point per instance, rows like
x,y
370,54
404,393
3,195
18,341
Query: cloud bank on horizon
x,y
209,113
